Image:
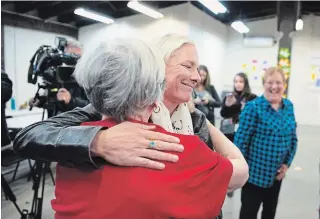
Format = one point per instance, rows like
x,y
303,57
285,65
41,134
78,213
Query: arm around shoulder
x,y
60,138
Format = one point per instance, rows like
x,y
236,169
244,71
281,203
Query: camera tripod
x,y
39,174
9,194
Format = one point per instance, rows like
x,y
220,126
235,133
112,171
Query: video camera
x,y
55,67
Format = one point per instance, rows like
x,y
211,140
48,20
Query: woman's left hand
x,y
282,172
205,101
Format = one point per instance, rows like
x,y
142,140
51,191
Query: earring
x,y
156,109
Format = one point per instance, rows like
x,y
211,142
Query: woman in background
x,y
205,95
267,139
232,106
234,102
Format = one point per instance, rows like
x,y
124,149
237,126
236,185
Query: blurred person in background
x,y
66,100
267,139
205,95
6,93
125,80
234,102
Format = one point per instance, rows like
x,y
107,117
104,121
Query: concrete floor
x,y
299,198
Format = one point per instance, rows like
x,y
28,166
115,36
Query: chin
x,y
184,98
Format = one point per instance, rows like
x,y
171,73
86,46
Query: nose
x,y
195,76
274,86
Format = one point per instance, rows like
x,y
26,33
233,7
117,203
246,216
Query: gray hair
x,y
170,43
121,77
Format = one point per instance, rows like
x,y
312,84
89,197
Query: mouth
x,y
188,85
274,92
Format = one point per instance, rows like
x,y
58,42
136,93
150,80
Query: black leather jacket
x,y
61,139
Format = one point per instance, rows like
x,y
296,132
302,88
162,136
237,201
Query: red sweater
x,y
194,187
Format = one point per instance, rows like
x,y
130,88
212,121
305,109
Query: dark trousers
x,y
252,196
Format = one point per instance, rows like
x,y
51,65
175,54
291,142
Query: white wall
x,y
19,46
305,96
238,55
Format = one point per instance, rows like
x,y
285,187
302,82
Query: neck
x,y
239,92
142,116
276,106
170,105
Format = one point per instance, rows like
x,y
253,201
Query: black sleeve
x,y
6,88
229,111
252,97
217,102
200,127
61,139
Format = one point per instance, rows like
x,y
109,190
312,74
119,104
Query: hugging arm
x,y
227,149
61,139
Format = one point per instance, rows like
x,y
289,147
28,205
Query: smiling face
x,y
274,87
181,74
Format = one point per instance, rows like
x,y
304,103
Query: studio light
x,y
299,24
93,16
240,27
214,5
135,5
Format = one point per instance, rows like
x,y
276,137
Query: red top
x,y
194,187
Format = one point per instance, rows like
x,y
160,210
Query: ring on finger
x,y
152,145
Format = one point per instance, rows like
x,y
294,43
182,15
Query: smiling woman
x,y
267,138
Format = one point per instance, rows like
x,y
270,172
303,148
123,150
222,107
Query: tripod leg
x,y
51,174
5,194
31,171
15,172
8,192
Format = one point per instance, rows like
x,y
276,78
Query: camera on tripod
x,y
55,67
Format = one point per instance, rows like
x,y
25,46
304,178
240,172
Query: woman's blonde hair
x,y
170,43
271,71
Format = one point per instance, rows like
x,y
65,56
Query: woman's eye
x,y
187,66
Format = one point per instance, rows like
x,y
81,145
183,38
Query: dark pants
x,y
252,196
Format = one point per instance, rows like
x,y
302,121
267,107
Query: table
x,y
24,118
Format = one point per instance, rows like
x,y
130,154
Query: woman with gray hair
x,y
128,144
124,80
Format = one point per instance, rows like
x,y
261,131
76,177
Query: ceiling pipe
x,y
40,19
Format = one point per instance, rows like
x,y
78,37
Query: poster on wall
x,y
284,63
314,80
255,69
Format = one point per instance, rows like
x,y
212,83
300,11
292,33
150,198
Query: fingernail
x,y
181,148
175,158
161,166
177,140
